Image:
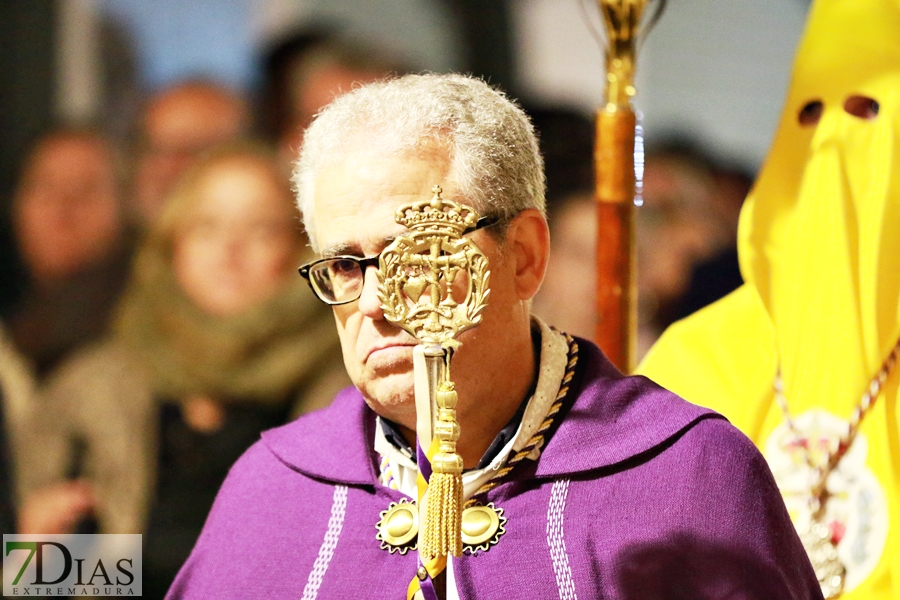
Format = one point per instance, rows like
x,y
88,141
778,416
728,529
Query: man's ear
x,y
528,245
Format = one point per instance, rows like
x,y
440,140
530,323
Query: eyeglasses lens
x,y
338,280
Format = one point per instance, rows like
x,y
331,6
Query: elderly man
x,y
589,483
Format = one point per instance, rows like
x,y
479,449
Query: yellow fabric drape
x,y
819,246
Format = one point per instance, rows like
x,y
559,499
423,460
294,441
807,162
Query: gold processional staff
x,y
434,283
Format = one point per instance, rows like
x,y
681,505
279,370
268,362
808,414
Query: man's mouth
x,y
387,350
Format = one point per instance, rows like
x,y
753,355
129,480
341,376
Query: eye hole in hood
x,y
811,113
862,107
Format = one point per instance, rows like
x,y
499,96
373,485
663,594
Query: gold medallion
x,y
482,527
398,527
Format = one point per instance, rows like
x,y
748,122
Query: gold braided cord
x,y
444,500
538,438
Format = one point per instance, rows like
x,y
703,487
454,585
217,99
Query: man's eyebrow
x,y
353,248
343,248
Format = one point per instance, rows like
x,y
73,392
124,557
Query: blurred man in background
x,y
179,123
306,71
70,236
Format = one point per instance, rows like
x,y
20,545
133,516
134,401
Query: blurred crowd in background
x,y
152,319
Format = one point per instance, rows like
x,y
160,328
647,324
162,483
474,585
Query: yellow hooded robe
x,y
819,246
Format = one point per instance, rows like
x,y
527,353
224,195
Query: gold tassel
x,y
442,534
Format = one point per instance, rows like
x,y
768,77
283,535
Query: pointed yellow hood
x,y
819,236
819,245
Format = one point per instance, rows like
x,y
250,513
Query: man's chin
x,y
392,397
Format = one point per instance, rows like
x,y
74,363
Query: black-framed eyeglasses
x,y
339,279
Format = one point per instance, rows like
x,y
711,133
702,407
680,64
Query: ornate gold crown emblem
x,y
437,214
434,281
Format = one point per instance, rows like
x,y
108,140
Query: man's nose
x,y
369,303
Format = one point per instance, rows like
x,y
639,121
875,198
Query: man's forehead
x,y
356,200
363,236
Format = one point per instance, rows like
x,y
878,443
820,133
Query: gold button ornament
x,y
398,527
482,527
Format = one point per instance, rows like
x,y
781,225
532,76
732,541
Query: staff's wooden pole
x,y
616,290
615,187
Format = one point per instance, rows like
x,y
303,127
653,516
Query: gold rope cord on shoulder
x,y
538,439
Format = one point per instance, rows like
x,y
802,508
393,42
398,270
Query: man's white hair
x,y
495,164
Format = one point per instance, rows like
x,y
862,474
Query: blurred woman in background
x,y
214,342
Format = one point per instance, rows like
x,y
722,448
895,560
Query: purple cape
x,y
637,495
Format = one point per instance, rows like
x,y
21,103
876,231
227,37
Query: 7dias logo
x,y
72,565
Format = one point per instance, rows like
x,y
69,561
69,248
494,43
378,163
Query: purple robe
x,y
637,495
